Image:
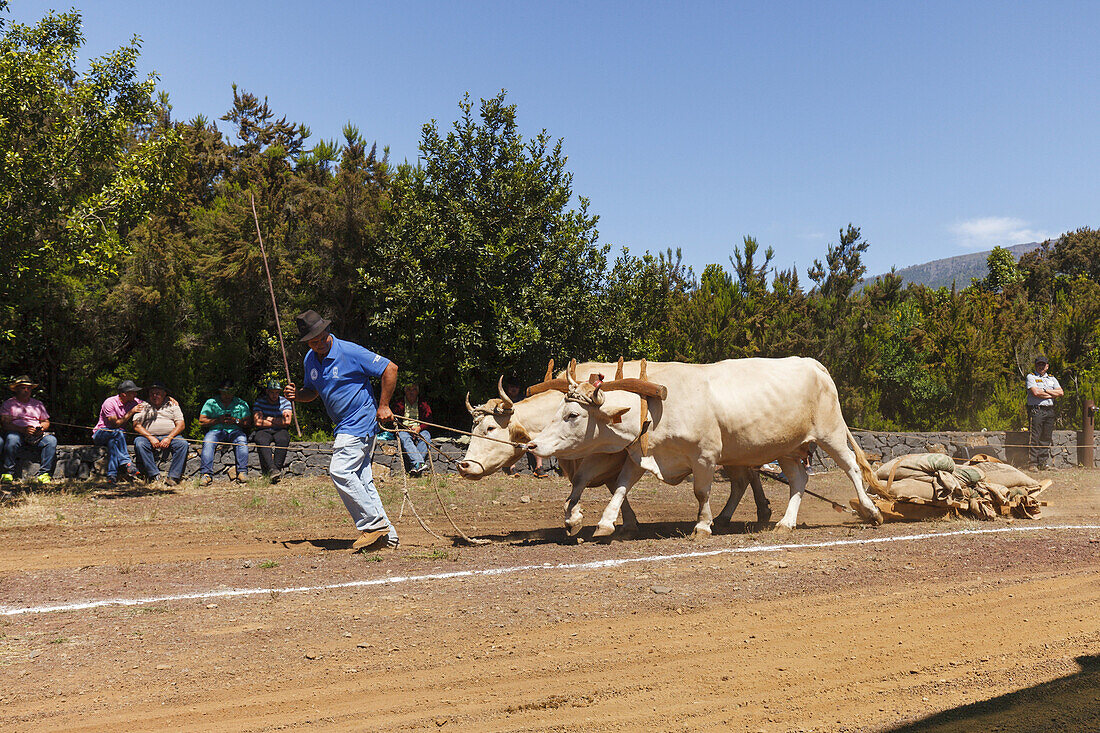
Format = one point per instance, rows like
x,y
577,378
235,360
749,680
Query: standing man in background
x,y
339,372
1042,389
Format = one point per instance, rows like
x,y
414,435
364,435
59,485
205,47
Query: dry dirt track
x,y
955,632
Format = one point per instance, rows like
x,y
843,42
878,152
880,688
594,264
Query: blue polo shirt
x,y
342,380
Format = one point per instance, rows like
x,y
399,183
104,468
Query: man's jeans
x,y
1041,434
117,455
271,459
415,449
351,473
47,444
148,456
221,435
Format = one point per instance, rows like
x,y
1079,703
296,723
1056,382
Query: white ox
x,y
502,427
734,413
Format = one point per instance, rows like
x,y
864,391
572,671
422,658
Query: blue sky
x,y
939,128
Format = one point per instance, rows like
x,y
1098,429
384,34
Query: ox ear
x,y
469,407
614,414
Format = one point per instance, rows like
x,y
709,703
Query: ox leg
x,y
838,449
702,478
739,481
796,475
573,514
630,519
628,476
763,506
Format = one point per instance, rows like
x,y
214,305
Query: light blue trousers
x,y
351,473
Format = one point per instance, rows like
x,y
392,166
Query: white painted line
x,y
594,565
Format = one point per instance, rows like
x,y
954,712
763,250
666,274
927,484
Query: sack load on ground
x,y
931,486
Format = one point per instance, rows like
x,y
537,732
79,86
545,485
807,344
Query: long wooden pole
x,y
274,307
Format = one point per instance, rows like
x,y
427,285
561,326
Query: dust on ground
x,y
959,632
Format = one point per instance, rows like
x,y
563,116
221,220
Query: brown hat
x,y
310,325
23,379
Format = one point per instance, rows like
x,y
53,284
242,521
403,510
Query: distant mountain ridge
x,y
960,269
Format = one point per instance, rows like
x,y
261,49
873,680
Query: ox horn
x,y
505,400
597,395
619,369
469,407
549,371
571,373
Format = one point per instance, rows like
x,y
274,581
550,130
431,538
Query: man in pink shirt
x,y
25,422
115,412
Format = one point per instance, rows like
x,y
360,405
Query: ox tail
x,y
870,480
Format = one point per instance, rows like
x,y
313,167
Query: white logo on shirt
x,y
377,357
313,374
335,372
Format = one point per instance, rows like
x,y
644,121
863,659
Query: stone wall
x,y
1010,447
312,459
302,459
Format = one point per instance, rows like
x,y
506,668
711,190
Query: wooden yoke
x,y
548,382
644,389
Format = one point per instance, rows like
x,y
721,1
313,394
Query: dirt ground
x,y
974,631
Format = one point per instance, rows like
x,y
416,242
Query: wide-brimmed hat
x,y
1040,359
23,379
310,325
227,385
127,385
159,385
273,384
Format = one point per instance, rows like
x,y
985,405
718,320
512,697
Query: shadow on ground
x,y
1070,703
327,543
645,531
101,489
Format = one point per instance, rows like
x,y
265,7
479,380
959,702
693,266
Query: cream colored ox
x,y
734,413
502,427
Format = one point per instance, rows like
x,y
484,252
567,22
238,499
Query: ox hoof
x,y
871,516
700,533
604,530
783,528
764,517
573,529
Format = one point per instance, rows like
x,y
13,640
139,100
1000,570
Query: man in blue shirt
x,y
339,372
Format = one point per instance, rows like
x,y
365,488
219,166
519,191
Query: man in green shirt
x,y
225,419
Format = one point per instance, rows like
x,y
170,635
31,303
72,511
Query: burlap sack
x,y
914,465
1006,475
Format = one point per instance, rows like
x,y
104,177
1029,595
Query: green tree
x,y
489,269
84,162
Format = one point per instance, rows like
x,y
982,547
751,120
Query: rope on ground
x,y
783,479
406,497
435,487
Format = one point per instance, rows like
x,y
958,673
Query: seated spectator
x,y
115,412
159,423
25,422
224,418
271,414
414,409
515,393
